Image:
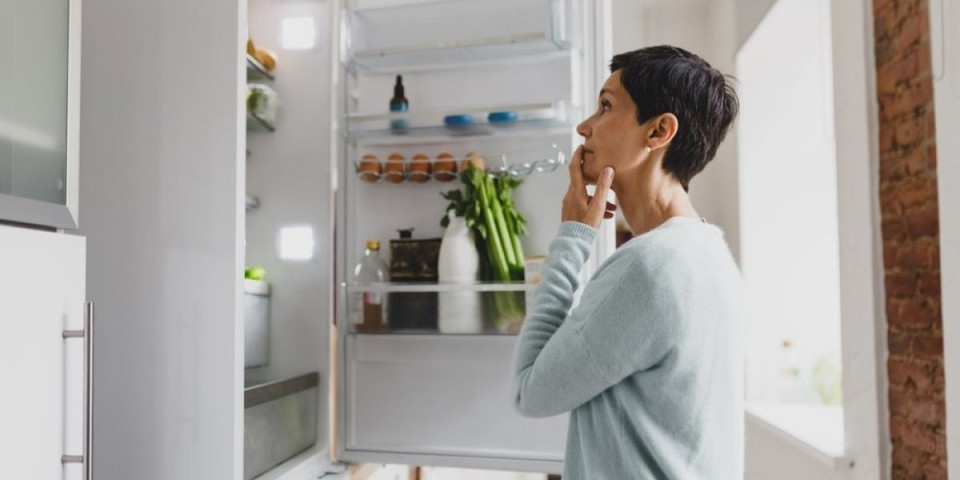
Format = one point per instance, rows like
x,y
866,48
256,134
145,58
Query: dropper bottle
x,y
399,103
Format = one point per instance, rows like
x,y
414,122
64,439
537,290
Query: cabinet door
x,y
41,294
39,111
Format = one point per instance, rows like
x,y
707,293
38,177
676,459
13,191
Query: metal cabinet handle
x,y
87,334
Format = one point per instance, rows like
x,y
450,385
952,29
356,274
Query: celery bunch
x,y
487,207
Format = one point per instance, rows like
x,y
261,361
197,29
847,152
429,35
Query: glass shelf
x,y
256,70
456,53
425,126
256,123
437,308
409,36
407,287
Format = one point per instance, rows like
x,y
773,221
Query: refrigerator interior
x,y
424,398
427,396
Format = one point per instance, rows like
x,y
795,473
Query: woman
x,y
650,363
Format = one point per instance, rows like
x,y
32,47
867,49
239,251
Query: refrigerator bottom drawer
x,y
441,395
280,421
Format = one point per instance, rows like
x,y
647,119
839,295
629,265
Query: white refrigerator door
x,y
442,399
161,185
41,295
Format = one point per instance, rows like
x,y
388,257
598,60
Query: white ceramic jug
x,y
458,263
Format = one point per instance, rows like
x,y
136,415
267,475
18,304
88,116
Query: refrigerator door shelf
x,y
459,309
426,125
406,37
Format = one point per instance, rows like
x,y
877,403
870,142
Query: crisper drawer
x,y
442,396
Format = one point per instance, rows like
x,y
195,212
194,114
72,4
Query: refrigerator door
x,y
437,391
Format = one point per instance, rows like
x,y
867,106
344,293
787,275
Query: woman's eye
x,y
604,106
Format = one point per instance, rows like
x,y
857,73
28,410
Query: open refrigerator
x,y
434,395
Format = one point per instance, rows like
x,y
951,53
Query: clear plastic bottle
x,y
371,270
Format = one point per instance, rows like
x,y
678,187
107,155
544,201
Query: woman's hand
x,y
580,207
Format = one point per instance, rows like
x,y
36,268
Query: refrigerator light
x,y
298,33
295,243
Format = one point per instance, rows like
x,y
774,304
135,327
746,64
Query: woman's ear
x,y
662,130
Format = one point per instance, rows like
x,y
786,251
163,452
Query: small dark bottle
x,y
399,104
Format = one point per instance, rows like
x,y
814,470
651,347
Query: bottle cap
x,y
398,88
373,244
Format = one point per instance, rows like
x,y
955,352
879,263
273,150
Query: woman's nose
x,y
583,129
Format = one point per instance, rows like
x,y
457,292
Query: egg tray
x,y
421,169
416,170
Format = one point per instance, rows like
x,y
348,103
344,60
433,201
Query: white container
x,y
458,262
256,319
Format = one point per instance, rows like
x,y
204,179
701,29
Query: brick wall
x,y
911,243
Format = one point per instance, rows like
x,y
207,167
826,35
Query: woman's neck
x,y
653,198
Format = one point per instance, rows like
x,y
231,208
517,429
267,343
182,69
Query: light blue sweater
x,y
650,364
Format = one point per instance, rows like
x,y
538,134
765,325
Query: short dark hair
x,y
666,79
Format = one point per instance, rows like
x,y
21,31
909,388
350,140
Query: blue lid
x,y
462,120
508,116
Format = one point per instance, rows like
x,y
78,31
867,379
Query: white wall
x,y
749,14
161,207
706,29
288,170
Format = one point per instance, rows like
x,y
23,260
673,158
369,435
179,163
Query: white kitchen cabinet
x,y
421,396
41,410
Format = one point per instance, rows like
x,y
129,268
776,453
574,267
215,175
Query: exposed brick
x,y
910,231
907,464
910,132
908,101
893,228
914,314
890,201
901,284
930,283
890,254
915,255
927,412
919,438
915,193
924,59
924,223
902,69
935,471
911,30
887,141
916,162
909,375
898,343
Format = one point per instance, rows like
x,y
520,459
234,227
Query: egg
x,y
394,169
370,168
420,168
445,169
475,159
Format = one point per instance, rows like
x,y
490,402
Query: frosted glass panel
x,y
33,99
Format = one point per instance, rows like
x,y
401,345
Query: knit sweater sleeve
x,y
563,360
